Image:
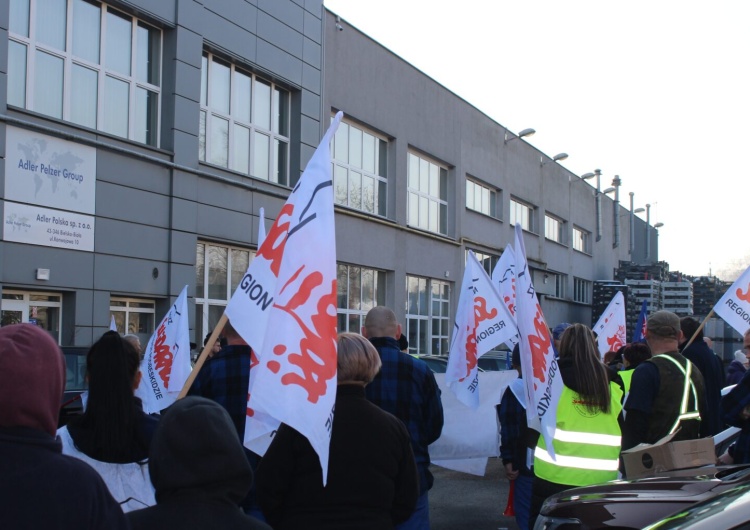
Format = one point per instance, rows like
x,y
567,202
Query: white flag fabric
x,y
734,306
482,322
610,329
112,324
262,227
285,308
166,361
540,371
504,279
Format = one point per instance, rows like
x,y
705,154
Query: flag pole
x,y
710,314
204,355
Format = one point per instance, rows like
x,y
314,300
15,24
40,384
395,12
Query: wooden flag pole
x,y
204,355
710,314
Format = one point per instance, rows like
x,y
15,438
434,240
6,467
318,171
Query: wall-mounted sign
x,y
37,225
49,171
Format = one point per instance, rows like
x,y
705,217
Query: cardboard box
x,y
646,460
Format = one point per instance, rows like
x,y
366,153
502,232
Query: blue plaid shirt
x,y
406,388
224,379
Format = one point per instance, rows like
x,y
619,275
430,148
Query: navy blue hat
x,y
558,331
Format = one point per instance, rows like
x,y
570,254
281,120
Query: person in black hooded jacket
x,y
199,471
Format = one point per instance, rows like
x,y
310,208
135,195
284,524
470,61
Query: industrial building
x,y
141,139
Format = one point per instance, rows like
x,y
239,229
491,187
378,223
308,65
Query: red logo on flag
x,y
745,297
317,350
162,356
480,315
615,342
539,344
273,246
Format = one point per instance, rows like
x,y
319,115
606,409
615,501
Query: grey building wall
x,y
378,89
154,204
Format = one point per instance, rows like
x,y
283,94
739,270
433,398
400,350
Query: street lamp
x,y
556,158
522,134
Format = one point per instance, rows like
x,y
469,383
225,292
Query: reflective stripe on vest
x,y
587,446
684,414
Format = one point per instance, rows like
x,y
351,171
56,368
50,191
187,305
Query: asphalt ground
x,y
459,501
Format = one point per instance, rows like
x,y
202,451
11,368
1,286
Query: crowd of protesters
x,y
117,467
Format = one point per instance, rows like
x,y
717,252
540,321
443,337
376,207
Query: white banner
x,y
610,329
504,279
541,374
37,225
482,322
285,308
734,306
48,171
166,360
469,437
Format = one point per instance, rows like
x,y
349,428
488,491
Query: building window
x,y
581,240
218,271
481,199
359,169
359,290
559,280
553,229
134,315
581,290
428,195
523,214
427,316
41,309
487,261
244,122
84,62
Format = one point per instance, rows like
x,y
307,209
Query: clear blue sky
x,y
654,91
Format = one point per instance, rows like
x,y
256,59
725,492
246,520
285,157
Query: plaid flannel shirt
x,y
224,379
406,388
513,432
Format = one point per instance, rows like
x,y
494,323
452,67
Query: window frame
x,y
209,114
103,72
203,301
379,175
517,205
128,309
493,198
550,221
582,290
346,315
418,197
435,343
585,240
25,304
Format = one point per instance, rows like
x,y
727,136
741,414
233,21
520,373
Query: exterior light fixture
x,y
522,134
658,225
556,158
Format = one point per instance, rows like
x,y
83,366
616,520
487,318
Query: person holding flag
x,y
587,435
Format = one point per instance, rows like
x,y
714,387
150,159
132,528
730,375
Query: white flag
x,y
504,279
112,324
482,322
734,306
166,361
261,227
541,373
610,329
285,308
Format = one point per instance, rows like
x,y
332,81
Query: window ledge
x,y
555,242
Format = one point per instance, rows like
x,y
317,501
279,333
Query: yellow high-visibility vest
x,y
587,445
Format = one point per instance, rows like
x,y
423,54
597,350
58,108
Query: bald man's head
x,y
381,322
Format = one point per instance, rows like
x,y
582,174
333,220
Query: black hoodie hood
x,y
195,448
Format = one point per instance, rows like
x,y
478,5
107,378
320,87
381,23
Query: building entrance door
x,y
42,309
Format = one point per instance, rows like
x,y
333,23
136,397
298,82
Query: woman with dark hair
x,y
372,474
633,354
114,434
587,435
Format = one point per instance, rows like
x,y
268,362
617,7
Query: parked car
x,y
437,363
75,382
625,504
495,361
730,509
